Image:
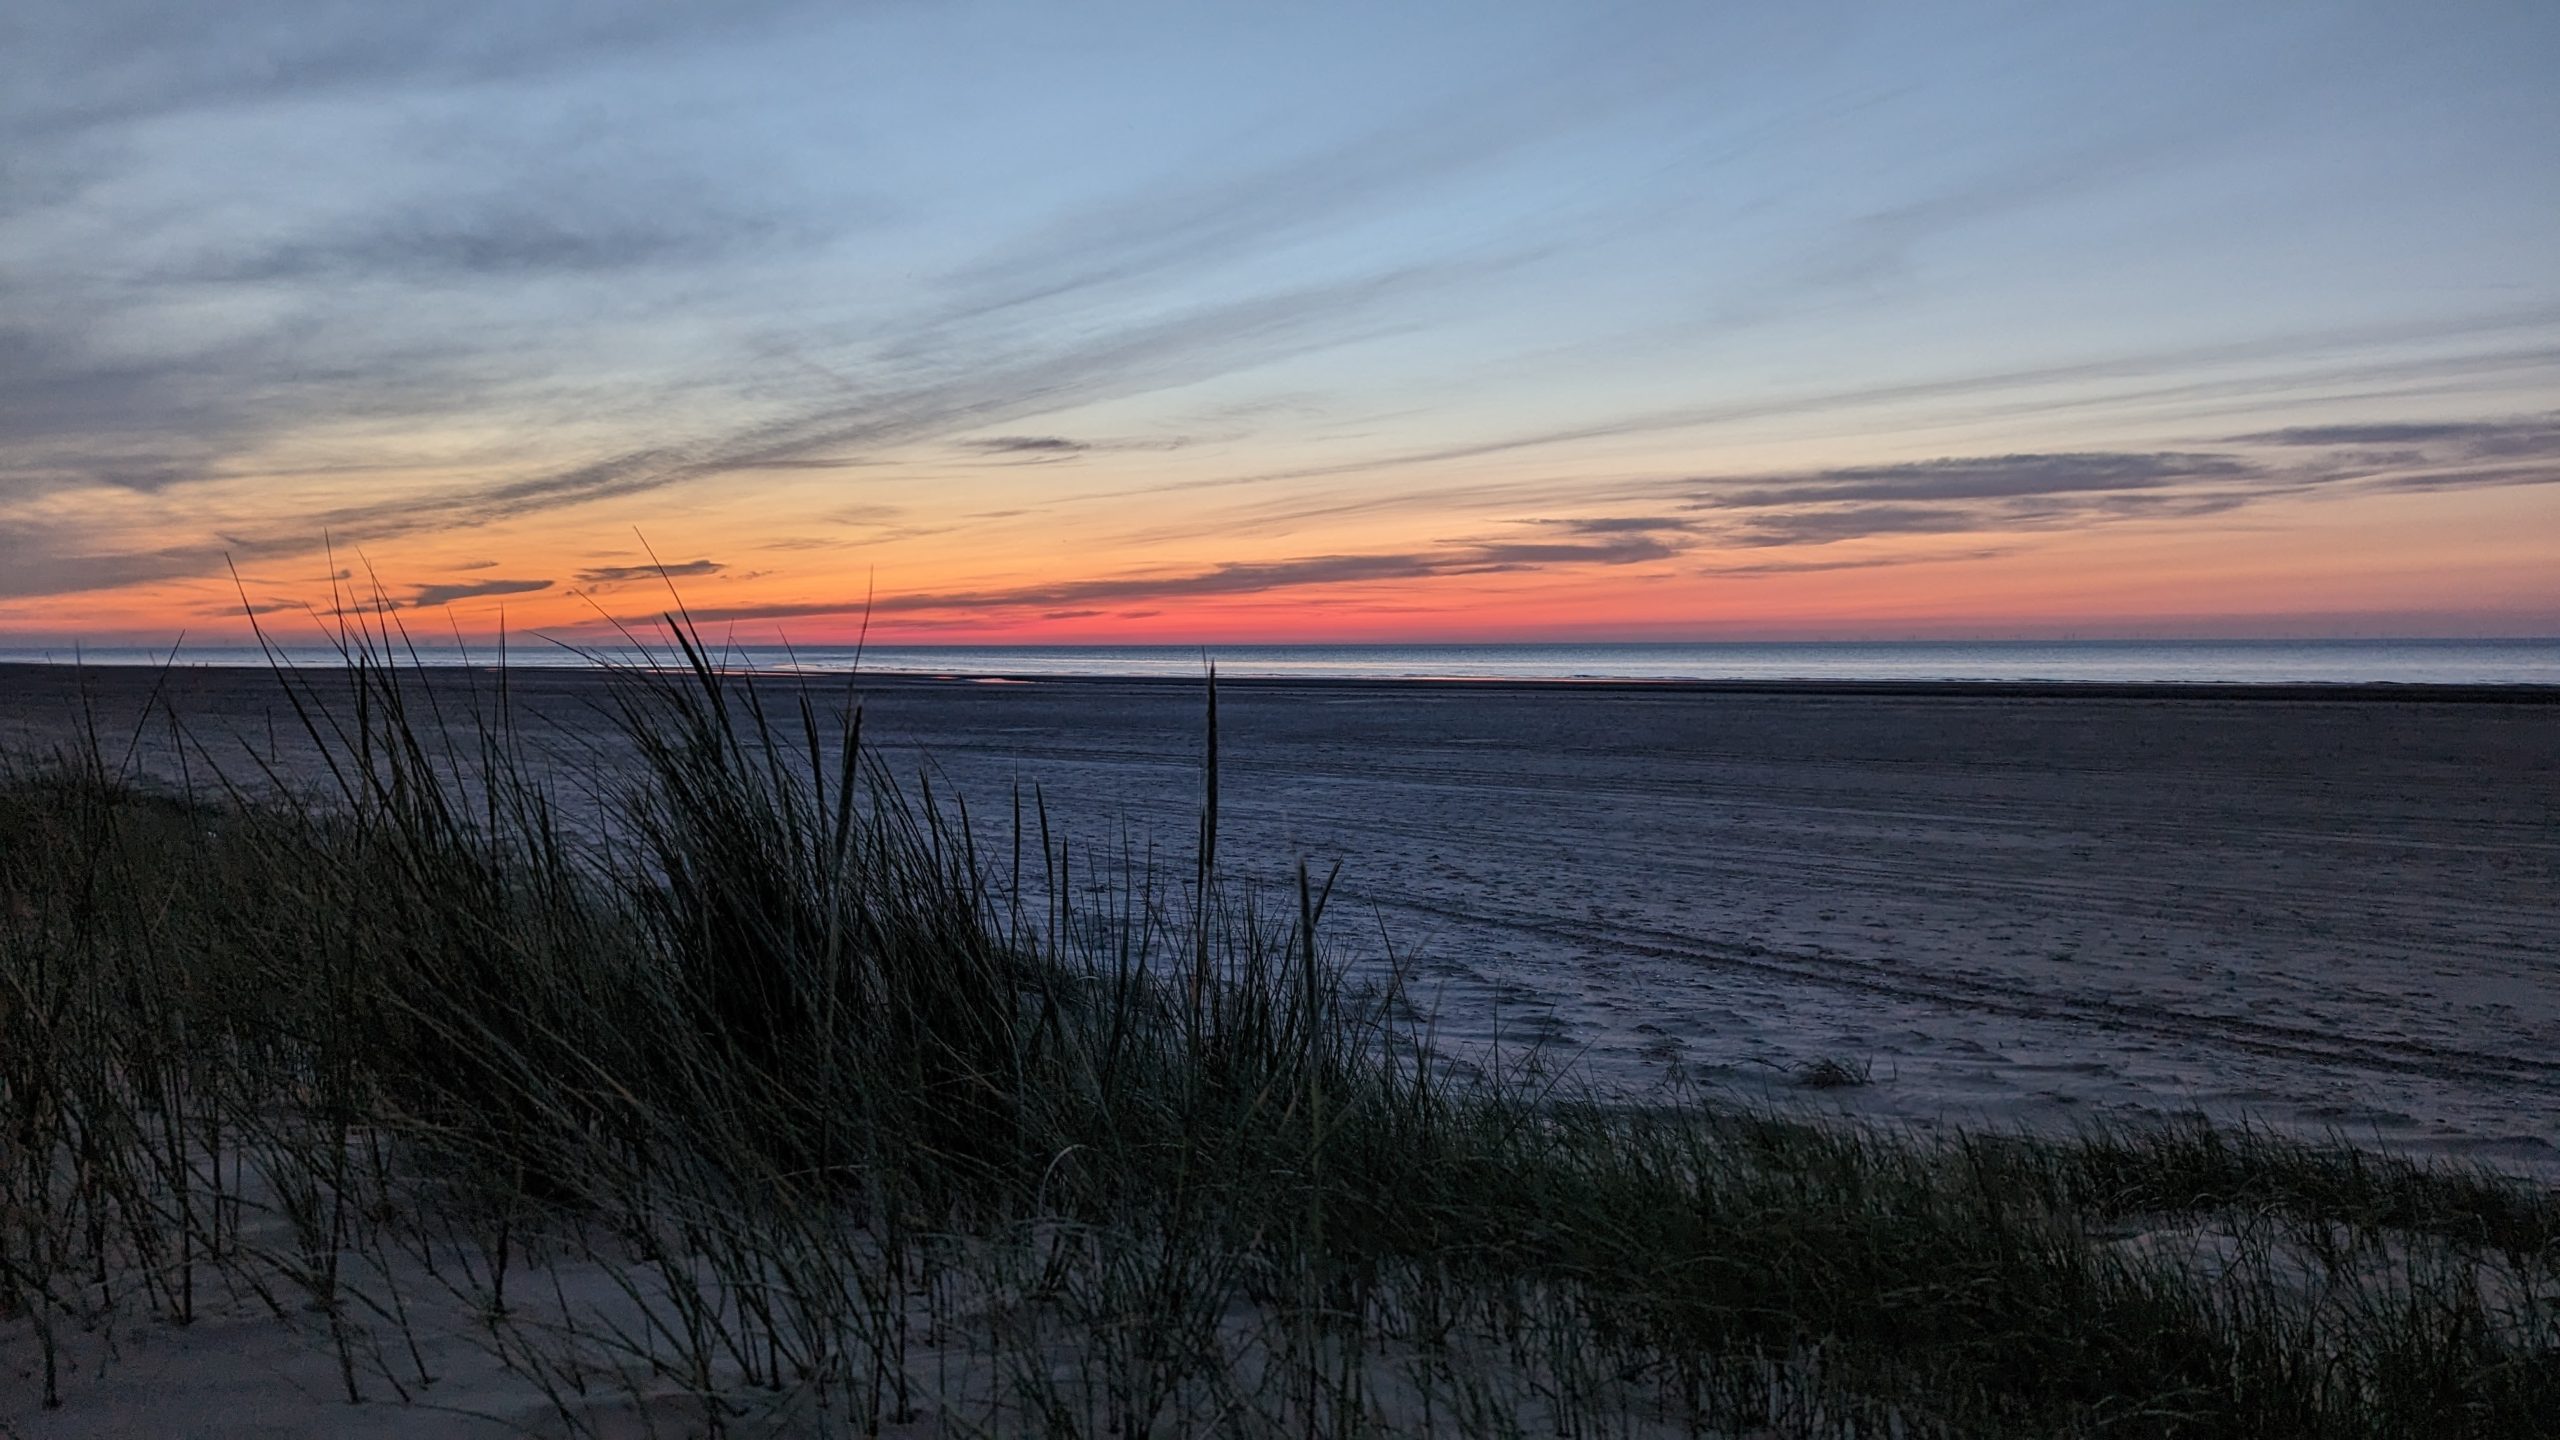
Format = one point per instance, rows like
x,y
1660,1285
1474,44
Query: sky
x,y
1305,322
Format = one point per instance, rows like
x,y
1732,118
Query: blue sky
x,y
1306,315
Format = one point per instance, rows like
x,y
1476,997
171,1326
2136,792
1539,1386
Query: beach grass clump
x,y
1832,1072
783,1092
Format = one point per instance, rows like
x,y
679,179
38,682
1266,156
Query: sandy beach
x,y
700,1104
2333,912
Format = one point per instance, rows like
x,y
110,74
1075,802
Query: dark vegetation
x,y
844,1118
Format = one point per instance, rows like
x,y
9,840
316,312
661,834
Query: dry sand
x,y
2329,911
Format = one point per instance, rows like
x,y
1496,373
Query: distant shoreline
x,y
2373,691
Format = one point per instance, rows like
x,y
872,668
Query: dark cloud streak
x,y
1987,477
430,596
618,574
1027,445
1764,569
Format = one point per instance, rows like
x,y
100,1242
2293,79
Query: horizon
x,y
2365,664
643,640
992,325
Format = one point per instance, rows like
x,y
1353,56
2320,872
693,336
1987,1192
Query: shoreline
x,y
2247,691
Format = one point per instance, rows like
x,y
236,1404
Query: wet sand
x,y
2330,911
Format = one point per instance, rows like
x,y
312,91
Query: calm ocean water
x,y
2345,662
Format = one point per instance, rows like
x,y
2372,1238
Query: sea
x,y
2532,661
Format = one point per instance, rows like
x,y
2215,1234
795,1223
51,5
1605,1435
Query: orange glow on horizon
x,y
1208,567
